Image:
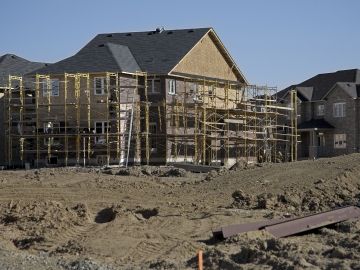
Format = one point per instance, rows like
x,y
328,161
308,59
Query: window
x,y
193,89
172,87
153,136
339,140
197,92
51,128
320,110
339,109
154,86
101,128
211,90
53,89
99,85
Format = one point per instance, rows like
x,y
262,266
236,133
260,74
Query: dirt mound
x,y
255,250
162,171
213,174
318,196
33,222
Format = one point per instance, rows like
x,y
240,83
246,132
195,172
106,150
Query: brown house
x,y
141,97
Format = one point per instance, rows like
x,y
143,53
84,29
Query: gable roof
x,y
155,52
322,83
11,64
352,89
305,93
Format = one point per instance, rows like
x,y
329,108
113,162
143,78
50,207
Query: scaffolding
x,y
226,122
130,118
74,126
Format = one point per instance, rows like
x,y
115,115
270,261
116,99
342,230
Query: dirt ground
x,y
158,218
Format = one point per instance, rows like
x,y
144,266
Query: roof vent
x,y
159,30
13,56
150,33
101,45
191,31
170,32
128,34
109,35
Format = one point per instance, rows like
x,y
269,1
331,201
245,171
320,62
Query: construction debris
x,y
291,226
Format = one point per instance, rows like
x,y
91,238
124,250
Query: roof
x,y
11,64
305,93
315,124
322,83
155,52
352,89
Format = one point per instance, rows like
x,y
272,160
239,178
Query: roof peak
x,y
339,71
157,31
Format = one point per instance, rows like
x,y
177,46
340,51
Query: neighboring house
x,y
328,114
14,65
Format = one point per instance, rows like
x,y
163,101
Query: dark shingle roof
x,y
322,83
11,64
315,123
151,51
352,89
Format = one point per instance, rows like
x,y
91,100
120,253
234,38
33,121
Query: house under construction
x,y
155,97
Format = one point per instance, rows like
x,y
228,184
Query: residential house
x,y
72,118
154,97
328,114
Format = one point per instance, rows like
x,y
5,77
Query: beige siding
x,y
205,59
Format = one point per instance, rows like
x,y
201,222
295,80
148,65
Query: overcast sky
x,y
277,43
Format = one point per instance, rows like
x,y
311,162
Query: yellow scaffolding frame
x,y
222,121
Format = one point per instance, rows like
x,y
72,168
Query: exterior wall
x,y
205,59
307,111
157,116
342,125
315,109
178,151
55,113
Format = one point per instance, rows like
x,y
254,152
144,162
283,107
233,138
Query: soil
x,y
160,217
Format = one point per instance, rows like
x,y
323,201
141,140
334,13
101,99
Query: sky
x,y
275,43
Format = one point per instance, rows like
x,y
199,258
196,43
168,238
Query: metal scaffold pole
x,y
65,118
204,125
147,145
78,110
